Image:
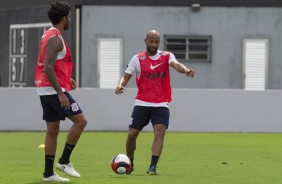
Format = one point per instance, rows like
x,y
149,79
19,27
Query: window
x,y
189,48
255,63
109,61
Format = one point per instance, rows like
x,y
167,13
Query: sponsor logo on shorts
x,y
130,121
74,107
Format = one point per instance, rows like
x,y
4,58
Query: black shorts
x,y
52,110
142,115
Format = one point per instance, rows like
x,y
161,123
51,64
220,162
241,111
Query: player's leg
x,y
79,123
50,147
157,147
131,143
76,115
52,115
50,151
131,146
160,121
159,134
139,119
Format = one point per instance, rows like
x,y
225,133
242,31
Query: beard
x,y
66,27
152,51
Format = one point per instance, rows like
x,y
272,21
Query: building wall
x,y
228,26
191,110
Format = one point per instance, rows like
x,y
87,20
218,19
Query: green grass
x,y
196,158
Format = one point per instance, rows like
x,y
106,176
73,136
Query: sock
x,y
154,160
49,164
65,158
131,160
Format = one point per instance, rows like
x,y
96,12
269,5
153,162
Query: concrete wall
x,y
228,26
191,110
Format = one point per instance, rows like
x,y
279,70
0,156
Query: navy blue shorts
x,y
142,115
52,110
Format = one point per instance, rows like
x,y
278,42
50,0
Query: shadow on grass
x,y
141,175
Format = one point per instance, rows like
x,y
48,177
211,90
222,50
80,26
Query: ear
x,y
64,19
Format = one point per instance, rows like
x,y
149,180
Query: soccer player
x,y
154,94
53,81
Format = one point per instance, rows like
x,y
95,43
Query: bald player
x,y
151,67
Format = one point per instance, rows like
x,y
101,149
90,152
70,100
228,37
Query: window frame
x,y
188,43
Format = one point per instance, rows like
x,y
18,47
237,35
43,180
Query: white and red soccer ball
x,y
120,164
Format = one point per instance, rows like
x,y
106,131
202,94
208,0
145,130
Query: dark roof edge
x,y
23,4
207,3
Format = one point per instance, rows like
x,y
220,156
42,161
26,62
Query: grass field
x,y
192,158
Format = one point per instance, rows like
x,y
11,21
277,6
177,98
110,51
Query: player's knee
x,y
53,127
53,132
159,133
82,123
132,135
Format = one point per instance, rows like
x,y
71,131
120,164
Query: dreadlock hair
x,y
58,10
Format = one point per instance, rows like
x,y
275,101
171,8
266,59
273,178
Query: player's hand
x,y
119,89
64,100
189,73
73,84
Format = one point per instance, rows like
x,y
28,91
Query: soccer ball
x,y
120,164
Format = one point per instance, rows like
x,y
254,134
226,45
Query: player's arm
x,y
54,46
122,83
130,70
179,67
